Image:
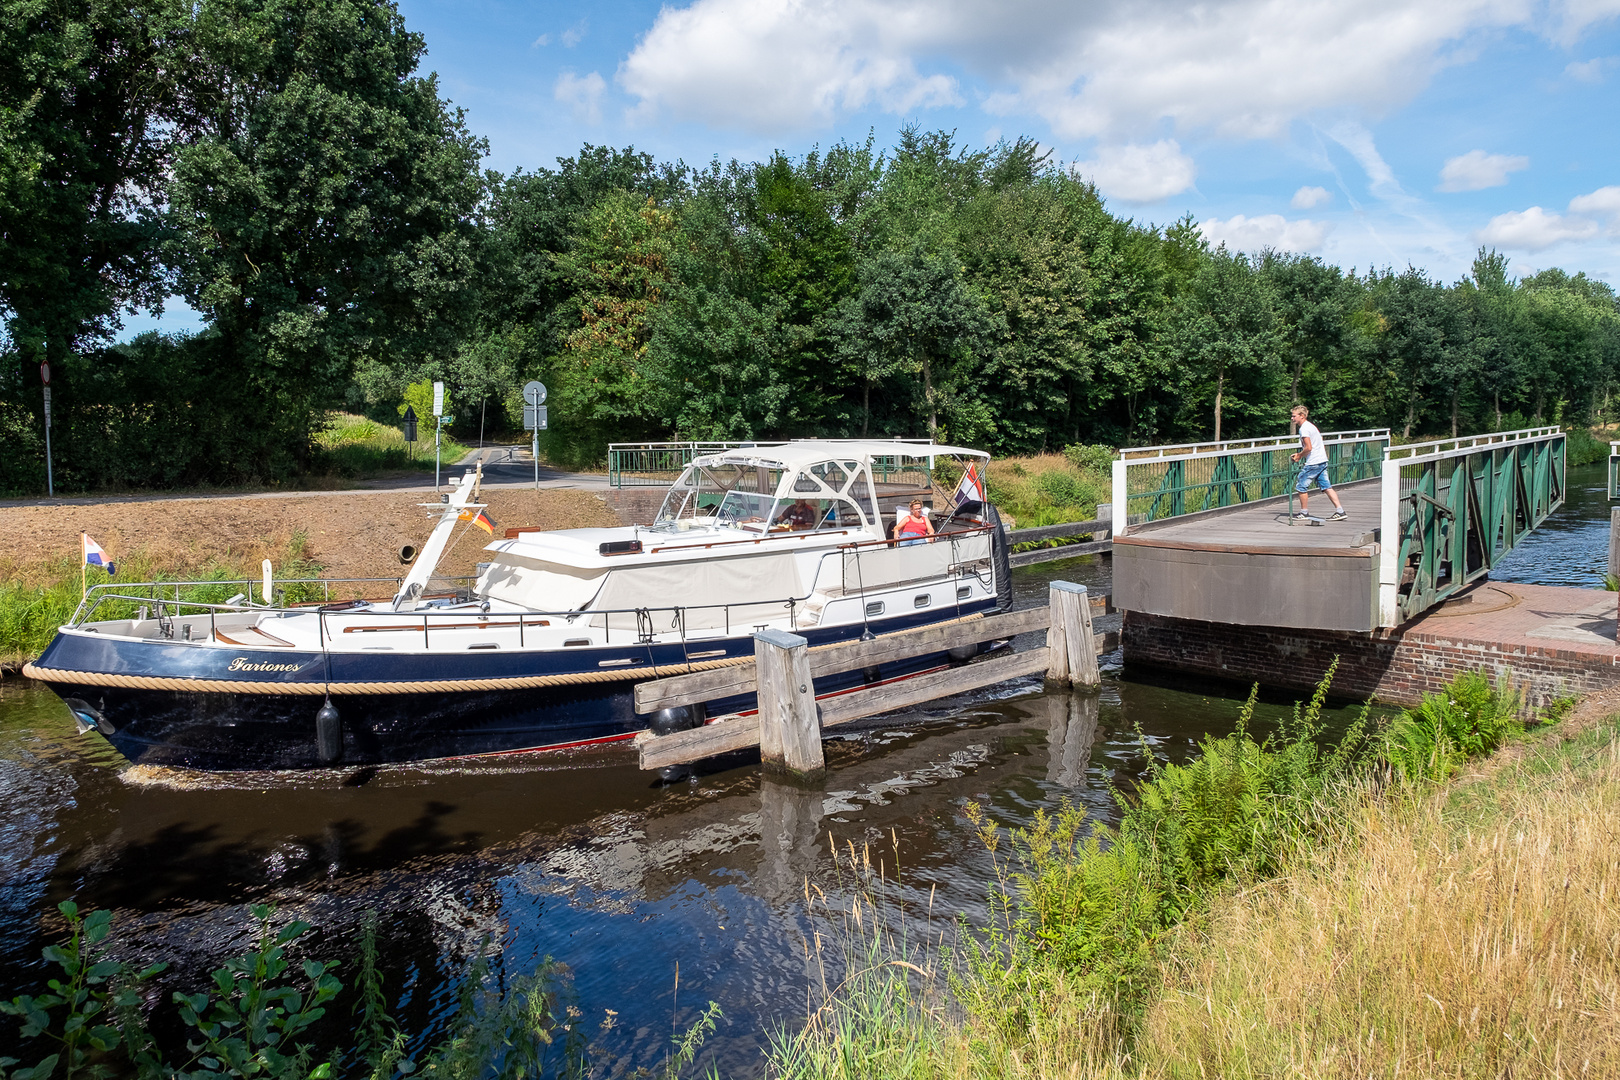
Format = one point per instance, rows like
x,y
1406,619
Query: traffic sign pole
x,y
534,418
45,379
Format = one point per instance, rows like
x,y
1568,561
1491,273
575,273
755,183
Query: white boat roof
x,y
803,453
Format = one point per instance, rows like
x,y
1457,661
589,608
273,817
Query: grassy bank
x,y
352,446
1050,489
1260,912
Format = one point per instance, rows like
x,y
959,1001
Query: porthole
x,y
964,591
874,609
576,641
922,600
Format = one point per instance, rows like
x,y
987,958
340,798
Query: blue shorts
x,y
1317,473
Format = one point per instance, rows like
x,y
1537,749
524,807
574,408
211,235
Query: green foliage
x,y
90,1011
249,1026
1470,719
1582,447
1097,459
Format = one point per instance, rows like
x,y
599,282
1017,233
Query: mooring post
x,y
789,728
1614,542
1071,650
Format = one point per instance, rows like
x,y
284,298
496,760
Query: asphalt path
x,y
504,466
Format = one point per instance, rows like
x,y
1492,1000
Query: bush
x,y
1096,458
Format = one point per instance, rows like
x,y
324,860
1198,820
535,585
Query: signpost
x,y
534,418
410,431
45,378
438,415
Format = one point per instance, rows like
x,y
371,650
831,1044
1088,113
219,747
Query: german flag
x,y
480,519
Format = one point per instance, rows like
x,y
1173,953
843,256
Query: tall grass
x,y
1051,489
351,446
1423,947
1088,922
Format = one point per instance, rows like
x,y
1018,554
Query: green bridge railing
x,y
1614,471
1452,508
1152,483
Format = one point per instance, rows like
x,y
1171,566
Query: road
x,y
504,466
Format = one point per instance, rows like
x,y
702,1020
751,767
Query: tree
x,y
325,203
916,315
87,98
1225,334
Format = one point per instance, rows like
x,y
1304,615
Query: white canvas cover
x,y
751,584
539,585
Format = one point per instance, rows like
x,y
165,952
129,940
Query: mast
x,y
461,496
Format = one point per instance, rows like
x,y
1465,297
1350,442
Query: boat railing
x,y
166,601
295,592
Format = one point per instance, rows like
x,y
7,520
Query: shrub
x,y
1093,458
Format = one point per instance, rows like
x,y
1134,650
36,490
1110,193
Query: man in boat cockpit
x,y
800,515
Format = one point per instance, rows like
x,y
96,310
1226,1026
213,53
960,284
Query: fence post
x,y
1071,650
789,727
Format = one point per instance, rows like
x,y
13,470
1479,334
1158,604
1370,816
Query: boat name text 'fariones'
x,y
242,663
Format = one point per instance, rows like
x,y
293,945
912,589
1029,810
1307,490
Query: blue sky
x,y
1368,132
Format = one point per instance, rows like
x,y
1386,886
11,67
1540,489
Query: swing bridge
x,y
1206,531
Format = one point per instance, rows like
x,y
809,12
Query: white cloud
x,y
1266,231
1534,230
573,35
1605,201
1591,72
1307,197
582,94
1108,68
1477,170
1138,173
540,42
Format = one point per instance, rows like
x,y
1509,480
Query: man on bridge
x,y
1314,451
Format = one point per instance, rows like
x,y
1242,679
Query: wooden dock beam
x,y
788,728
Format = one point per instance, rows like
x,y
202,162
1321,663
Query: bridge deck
x,y
1246,566
1263,526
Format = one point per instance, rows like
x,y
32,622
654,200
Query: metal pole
x,y
50,480
535,450
439,428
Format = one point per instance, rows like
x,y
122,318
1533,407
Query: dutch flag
x,y
94,556
971,489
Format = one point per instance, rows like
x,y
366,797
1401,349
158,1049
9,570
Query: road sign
x,y
410,424
438,399
47,406
534,393
45,372
534,417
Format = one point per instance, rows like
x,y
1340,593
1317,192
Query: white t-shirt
x,y
1318,454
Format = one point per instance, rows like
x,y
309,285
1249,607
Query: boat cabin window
x,y
732,490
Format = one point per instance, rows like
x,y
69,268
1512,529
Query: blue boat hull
x,y
243,729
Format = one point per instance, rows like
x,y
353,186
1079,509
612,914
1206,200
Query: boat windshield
x,y
720,493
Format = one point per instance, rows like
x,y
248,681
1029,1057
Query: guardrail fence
x,y
1452,508
1152,483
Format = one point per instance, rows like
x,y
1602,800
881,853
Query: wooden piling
x,y
1072,654
789,729
1614,542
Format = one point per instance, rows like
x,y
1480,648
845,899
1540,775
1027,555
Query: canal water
x,y
654,898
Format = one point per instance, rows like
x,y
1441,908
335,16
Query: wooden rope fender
x,y
436,686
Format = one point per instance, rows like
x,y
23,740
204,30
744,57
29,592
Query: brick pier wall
x,y
1550,642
